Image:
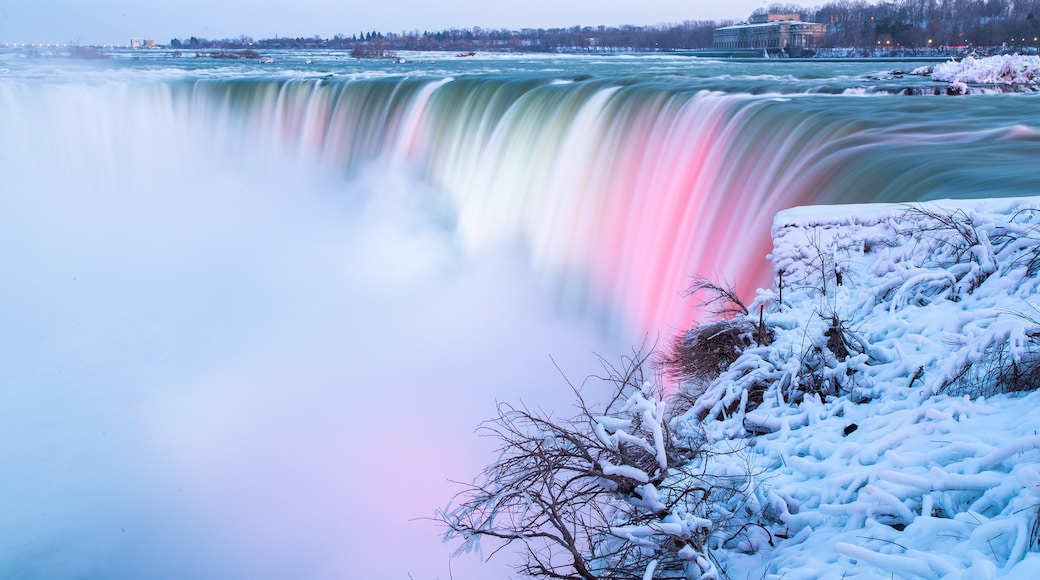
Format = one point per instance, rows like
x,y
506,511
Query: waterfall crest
x,y
618,191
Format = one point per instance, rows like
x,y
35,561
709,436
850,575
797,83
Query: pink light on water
x,y
619,195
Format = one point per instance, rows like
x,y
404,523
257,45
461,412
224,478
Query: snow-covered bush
x,y
891,417
842,288
1004,354
613,492
697,356
954,244
1005,366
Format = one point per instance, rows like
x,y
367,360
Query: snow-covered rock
x,y
993,70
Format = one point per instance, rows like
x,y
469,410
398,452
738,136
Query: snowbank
x,y
881,433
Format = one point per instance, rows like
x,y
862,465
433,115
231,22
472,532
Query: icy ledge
x,y
889,427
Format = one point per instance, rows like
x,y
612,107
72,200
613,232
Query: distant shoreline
x,y
102,52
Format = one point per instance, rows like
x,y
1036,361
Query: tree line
x,y
931,23
850,23
689,34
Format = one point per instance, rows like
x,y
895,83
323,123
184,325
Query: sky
x,y
116,21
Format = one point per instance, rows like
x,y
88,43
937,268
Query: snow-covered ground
x,y
889,429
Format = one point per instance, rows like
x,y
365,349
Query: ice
x,y
996,70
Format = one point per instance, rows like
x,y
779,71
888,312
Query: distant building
x,y
138,43
764,18
773,33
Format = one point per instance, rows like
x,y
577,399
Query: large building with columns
x,y
774,33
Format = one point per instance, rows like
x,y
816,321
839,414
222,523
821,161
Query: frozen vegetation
x,y
887,423
871,416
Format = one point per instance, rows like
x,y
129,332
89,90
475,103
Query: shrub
x,y
612,492
698,356
701,354
1006,365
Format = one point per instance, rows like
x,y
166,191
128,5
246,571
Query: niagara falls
x,y
258,312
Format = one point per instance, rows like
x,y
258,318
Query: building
x,y
773,33
764,18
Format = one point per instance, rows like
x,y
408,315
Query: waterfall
x,y
621,192
255,320
618,192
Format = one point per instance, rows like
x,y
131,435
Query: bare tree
x,y
611,492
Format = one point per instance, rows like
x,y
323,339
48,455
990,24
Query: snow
x,y
992,70
627,471
915,454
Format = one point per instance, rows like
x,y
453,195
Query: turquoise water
x,y
752,76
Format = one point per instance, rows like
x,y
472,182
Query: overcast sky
x,y
116,21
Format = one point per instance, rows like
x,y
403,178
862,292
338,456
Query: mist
x,y
222,359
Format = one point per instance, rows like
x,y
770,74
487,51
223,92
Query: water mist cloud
x,y
220,363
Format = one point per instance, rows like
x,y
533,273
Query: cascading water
x,y
621,192
249,323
